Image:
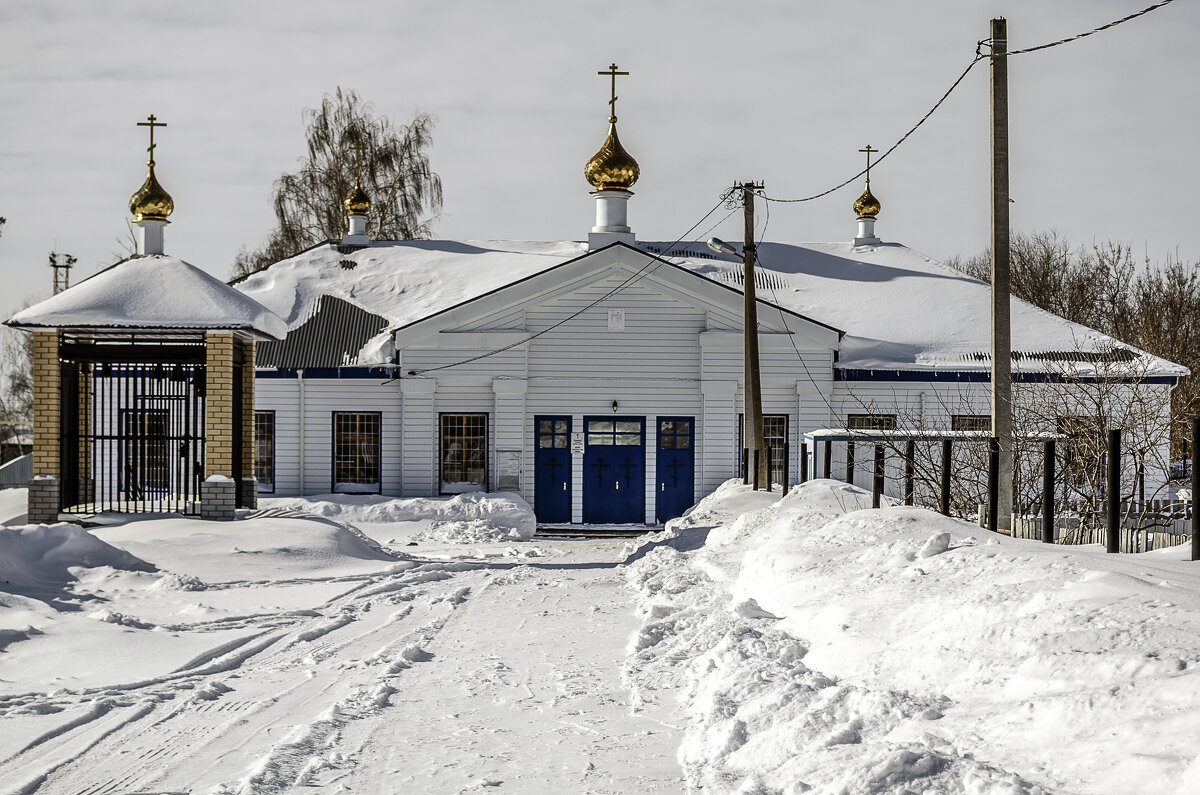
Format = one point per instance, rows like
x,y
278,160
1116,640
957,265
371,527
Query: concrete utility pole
x,y
1001,329
752,428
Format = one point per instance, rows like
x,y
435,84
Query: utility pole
x,y
1001,329
752,428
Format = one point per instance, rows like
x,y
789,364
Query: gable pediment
x,y
582,291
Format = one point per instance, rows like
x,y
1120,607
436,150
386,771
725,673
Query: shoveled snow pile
x,y
40,557
818,645
471,518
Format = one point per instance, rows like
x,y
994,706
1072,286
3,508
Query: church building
x,y
601,380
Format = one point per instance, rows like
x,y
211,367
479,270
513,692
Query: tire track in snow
x,y
338,663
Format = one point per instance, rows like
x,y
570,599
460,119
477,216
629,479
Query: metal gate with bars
x,y
132,426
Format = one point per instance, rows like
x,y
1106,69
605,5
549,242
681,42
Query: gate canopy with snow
x,y
144,392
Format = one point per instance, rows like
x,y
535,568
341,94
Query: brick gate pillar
x,y
218,493
47,428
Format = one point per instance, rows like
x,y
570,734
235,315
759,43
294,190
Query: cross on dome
x,y
612,72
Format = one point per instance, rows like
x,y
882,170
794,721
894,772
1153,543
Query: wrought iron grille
x,y
132,432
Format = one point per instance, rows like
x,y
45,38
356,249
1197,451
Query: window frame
x,y
767,438
366,488
484,437
873,422
264,488
959,420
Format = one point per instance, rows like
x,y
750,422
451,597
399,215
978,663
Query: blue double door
x,y
614,468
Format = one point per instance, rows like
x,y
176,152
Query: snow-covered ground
x,y
758,645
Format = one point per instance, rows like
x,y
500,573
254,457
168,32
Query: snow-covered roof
x,y
900,309
151,292
905,311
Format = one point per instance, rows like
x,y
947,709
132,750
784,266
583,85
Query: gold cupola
x,y
151,202
612,168
358,202
867,206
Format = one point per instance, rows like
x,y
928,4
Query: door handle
x,y
564,485
664,487
618,485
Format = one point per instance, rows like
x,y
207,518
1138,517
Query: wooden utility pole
x,y
1001,329
752,428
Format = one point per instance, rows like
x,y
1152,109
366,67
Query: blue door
x,y
676,467
614,470
552,469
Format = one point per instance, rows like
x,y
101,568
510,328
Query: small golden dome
x,y
358,202
151,202
867,206
612,168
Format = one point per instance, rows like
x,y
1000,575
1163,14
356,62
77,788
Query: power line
x,y
979,56
1079,36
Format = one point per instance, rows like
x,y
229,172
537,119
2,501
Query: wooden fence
x,y
1145,525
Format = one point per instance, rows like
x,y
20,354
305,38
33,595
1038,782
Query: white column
x,y
510,435
718,421
418,448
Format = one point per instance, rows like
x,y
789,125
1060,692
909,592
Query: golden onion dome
x,y
151,202
867,206
358,202
612,168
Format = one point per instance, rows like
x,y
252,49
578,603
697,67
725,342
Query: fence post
x,y
770,468
850,463
877,480
1048,493
787,466
993,483
745,466
909,471
1195,488
1113,496
947,449
757,474
804,462
827,470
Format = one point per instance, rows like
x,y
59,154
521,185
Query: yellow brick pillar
x,y
47,428
249,485
218,493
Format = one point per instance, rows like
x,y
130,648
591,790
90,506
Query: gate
x,y
614,470
132,427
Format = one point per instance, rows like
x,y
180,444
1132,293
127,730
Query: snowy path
x,y
439,676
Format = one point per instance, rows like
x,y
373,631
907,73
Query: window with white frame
x,y
264,451
356,452
464,453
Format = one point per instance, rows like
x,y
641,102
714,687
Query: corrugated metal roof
x,y
331,337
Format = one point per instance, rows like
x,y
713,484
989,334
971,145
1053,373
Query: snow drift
x,y
816,644
40,557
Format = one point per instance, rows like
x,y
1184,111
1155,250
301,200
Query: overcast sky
x,y
1103,130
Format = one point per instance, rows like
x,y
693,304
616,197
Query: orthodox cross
x,y
869,152
612,72
151,123
600,466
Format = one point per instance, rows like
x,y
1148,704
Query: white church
x,y
602,380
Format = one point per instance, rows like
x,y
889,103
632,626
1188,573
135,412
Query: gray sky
x,y
775,90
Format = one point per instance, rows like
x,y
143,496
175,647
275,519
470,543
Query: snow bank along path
x,y
819,647
455,669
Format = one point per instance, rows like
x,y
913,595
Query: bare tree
x,y
343,133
